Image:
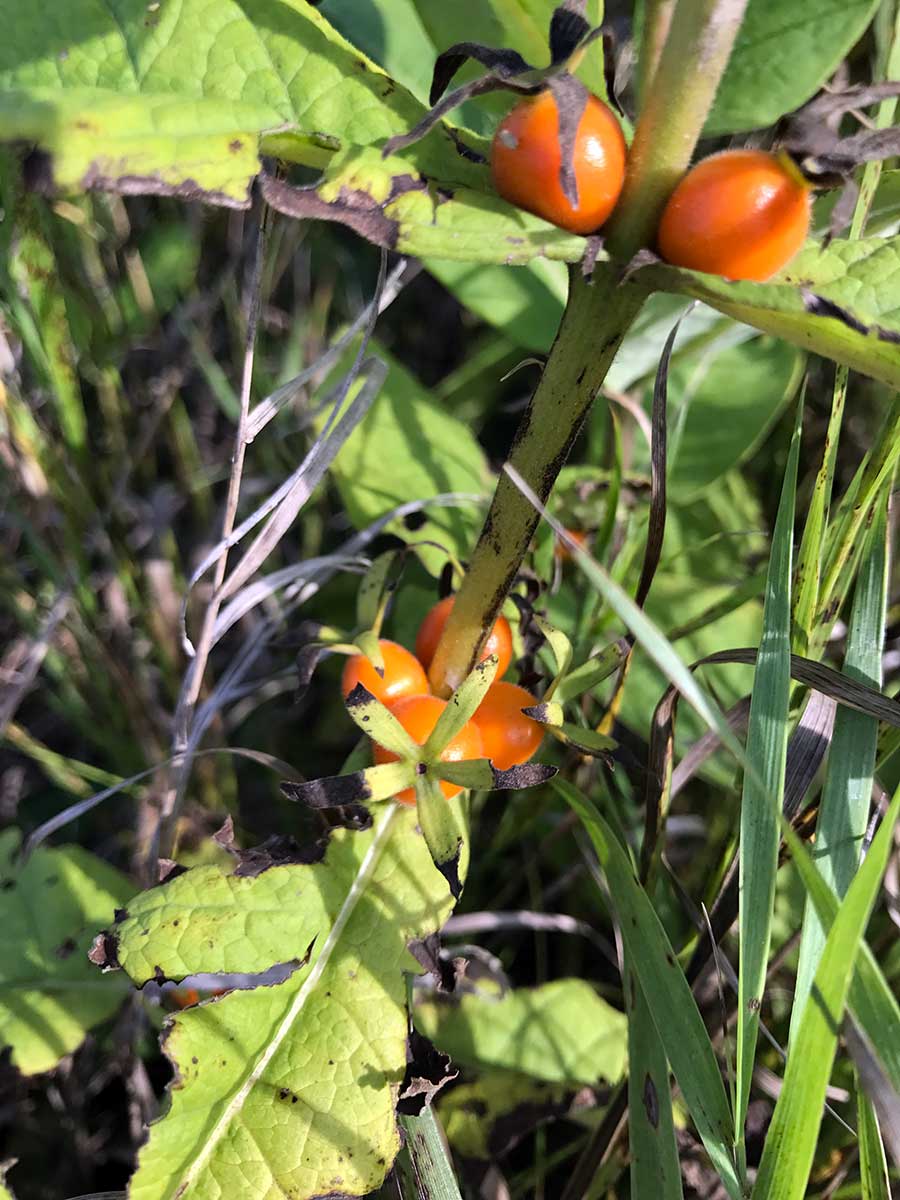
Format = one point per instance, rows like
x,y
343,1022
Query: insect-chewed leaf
x,y
461,706
358,787
380,725
375,585
290,1088
479,773
369,644
51,905
441,829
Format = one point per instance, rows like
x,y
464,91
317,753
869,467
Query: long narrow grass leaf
x,y
793,1134
763,791
669,998
847,794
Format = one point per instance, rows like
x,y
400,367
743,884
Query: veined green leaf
x,y
670,1000
461,706
561,1032
263,1072
441,830
793,1134
51,907
873,1170
763,790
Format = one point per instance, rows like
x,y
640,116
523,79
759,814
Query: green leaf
x,y
526,302
379,723
409,448
592,672
655,1169
846,797
792,1136
394,205
782,56
560,1032
474,1115
373,590
440,829
873,1170
832,301
432,1172
51,907
730,400
366,786
288,1088
175,98
763,790
670,1000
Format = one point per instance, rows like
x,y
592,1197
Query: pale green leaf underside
x,y
50,910
561,1032
840,302
290,1089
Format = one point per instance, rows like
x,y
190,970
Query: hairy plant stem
x,y
597,317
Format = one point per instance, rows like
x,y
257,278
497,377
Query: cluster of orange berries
x,y
743,214
499,730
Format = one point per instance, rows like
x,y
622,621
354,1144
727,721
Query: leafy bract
x,y
561,1032
839,302
176,96
51,907
289,1089
783,54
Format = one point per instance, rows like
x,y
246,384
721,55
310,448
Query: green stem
x,y
657,22
596,319
423,1166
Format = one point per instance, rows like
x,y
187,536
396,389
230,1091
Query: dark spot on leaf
x,y
64,949
51,880
7,885
235,144
651,1101
176,923
194,1059
754,1004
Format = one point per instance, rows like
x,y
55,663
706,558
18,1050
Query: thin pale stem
x,y
193,681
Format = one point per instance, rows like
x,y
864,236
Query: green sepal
x,y
359,787
373,591
369,644
376,722
440,830
561,648
461,707
479,773
592,672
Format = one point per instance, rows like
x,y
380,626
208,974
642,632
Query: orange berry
x,y
743,214
507,735
499,640
403,674
526,157
418,715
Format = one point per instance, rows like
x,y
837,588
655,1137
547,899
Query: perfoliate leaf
x,y
289,1089
368,643
479,773
561,647
441,829
358,787
461,706
51,906
588,741
592,672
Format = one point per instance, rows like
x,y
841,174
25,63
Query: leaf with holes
x,y
51,906
287,1089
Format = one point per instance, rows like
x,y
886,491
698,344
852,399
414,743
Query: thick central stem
x,y
701,34
574,372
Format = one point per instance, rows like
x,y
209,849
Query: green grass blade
x,y
764,783
645,632
672,1006
424,1167
655,1170
873,1172
848,787
794,1131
